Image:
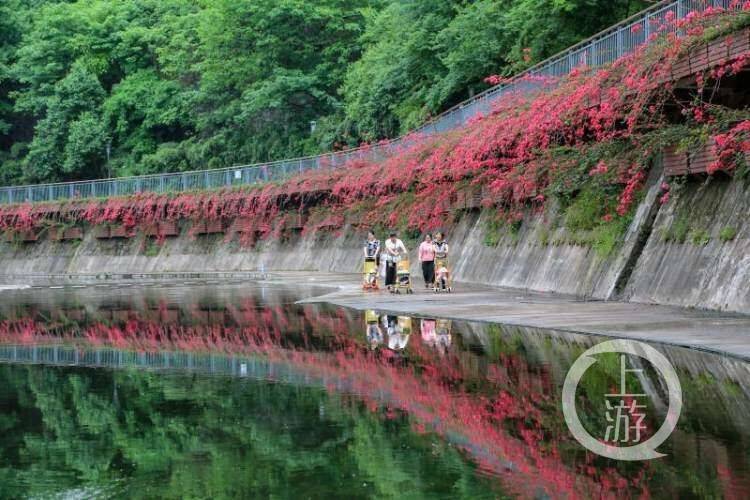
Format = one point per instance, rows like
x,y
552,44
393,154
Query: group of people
x,y
431,251
436,333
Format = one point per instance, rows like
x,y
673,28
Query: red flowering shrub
x,y
598,128
731,148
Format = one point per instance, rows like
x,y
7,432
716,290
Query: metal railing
x,y
253,367
600,49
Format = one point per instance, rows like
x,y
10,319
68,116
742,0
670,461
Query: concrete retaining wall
x,y
646,267
689,259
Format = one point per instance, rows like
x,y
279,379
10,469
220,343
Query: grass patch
x,y
586,211
677,232
585,221
496,228
152,249
727,234
699,237
543,236
607,237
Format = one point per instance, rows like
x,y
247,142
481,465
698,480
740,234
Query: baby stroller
x,y
443,280
403,277
370,274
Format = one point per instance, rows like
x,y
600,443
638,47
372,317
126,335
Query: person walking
x,y
427,258
372,248
394,249
442,271
440,246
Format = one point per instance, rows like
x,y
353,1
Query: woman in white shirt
x,y
394,249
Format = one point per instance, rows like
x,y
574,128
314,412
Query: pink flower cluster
x,y
505,156
731,148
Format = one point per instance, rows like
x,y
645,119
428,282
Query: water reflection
x,y
435,333
138,390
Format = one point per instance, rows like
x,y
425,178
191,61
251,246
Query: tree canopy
x,y
90,88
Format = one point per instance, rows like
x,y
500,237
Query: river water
x,y
236,391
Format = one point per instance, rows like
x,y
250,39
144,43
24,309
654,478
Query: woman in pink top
x,y
427,258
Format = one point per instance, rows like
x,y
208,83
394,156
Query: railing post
x,y
619,43
647,27
71,191
161,184
183,182
681,9
205,179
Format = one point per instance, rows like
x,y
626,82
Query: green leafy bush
x,y
677,232
727,234
699,237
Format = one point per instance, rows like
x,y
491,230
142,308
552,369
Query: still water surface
x,y
236,391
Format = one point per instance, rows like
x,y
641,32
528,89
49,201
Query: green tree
x,y
268,68
424,56
171,85
70,140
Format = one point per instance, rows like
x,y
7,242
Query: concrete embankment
x,y
701,330
691,252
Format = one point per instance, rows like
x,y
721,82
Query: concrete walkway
x,y
717,332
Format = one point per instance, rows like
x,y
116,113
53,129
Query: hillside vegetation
x,y
93,87
588,142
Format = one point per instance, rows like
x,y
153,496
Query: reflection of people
x,y
394,249
374,335
373,332
427,326
390,322
398,329
427,258
443,335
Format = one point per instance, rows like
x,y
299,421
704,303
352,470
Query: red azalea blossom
x,y
504,157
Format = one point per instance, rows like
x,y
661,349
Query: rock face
x,y
691,252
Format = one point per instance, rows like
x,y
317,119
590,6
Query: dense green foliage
x,y
135,434
92,87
